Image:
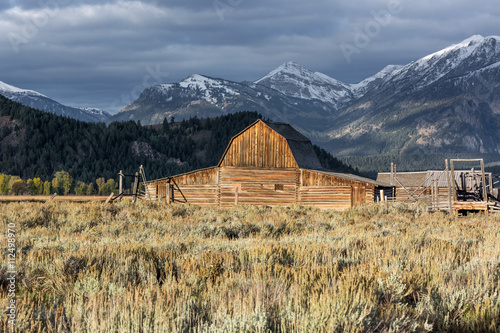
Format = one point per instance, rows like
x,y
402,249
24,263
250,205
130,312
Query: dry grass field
x,y
149,267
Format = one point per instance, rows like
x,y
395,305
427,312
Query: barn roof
x,y
301,147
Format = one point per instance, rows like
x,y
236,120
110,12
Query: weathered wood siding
x,y
197,187
258,146
326,197
315,178
410,193
333,192
258,186
370,194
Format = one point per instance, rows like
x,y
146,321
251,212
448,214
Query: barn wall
x,y
197,187
259,146
259,186
314,178
329,191
326,197
370,194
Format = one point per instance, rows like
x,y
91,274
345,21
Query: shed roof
x,y
408,179
355,178
423,178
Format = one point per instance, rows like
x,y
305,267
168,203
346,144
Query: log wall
x,y
326,197
264,186
197,187
258,186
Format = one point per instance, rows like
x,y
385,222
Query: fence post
x,y
168,193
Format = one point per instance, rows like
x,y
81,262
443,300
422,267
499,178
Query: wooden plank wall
x,y
199,177
258,186
360,192
358,195
370,194
259,146
200,195
197,187
314,178
403,195
265,186
326,197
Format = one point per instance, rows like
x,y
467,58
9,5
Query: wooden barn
x,y
267,164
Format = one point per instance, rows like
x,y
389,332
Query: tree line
x,y
34,145
61,184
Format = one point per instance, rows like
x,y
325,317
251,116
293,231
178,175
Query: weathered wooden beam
x,y
483,178
109,198
135,189
120,186
168,195
449,186
454,192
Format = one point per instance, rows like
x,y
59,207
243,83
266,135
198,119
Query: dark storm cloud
x,y
102,53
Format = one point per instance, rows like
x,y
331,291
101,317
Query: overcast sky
x,y
103,53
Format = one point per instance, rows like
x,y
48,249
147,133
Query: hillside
x,y
37,144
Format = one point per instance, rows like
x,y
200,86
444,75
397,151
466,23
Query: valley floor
x,y
150,267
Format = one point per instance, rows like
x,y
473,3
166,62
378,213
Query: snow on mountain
x,y
39,101
209,89
423,105
7,89
96,111
385,74
207,86
294,80
472,54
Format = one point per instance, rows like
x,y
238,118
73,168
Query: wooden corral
x,y
459,191
267,164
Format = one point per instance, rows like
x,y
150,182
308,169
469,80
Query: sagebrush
x,y
152,267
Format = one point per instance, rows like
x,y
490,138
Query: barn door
x,y
358,195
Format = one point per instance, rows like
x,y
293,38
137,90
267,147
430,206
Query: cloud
x,y
95,52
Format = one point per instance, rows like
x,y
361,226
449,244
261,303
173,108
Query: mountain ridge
x,y
42,102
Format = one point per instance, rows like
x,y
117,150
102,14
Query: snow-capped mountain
x,y
39,101
448,101
294,80
203,96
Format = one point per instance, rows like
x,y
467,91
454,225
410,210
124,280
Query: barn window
x,y
278,187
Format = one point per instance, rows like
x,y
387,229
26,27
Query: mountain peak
x,y
289,68
294,80
467,46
